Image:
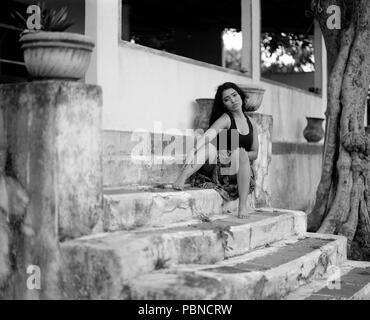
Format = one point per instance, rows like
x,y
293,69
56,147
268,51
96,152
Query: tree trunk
x,y
343,195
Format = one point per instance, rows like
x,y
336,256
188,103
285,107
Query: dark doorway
x,y
12,68
189,28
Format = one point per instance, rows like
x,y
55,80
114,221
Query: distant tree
x,y
277,46
233,59
297,46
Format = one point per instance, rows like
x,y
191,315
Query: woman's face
x,y
232,100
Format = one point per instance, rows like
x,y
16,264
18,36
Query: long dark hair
x,y
218,104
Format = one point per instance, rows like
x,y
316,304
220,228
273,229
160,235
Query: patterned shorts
x,y
215,176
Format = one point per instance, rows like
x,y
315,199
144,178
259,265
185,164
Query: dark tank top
x,y
233,138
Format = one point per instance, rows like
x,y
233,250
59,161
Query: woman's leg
x,y
207,152
243,179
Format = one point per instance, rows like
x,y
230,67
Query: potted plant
x,y
51,53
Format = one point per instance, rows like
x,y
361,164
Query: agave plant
x,y
51,19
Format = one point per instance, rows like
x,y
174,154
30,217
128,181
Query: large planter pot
x,y
254,96
203,113
56,55
314,131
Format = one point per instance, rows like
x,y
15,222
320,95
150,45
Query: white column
x,y
324,73
321,67
91,30
256,40
103,18
251,29
317,45
247,36
102,23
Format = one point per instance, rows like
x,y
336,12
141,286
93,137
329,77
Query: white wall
x,y
289,108
142,85
294,179
153,87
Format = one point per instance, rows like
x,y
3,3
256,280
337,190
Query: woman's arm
x,y
253,154
221,123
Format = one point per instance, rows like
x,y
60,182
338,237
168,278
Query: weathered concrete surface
x,y
145,158
4,254
268,273
295,173
349,281
129,209
103,264
140,171
141,158
262,193
54,142
14,229
54,152
135,209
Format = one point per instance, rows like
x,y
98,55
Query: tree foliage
x,y
277,46
298,46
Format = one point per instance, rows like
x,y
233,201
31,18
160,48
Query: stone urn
x,y
203,113
314,131
254,96
56,55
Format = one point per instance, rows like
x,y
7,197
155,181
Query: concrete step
x,y
350,281
268,273
160,170
153,169
143,157
108,261
149,206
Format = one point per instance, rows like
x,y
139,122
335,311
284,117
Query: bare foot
x,y
179,183
244,212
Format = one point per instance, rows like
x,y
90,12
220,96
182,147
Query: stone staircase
x,y
153,242
196,249
353,285
133,160
145,241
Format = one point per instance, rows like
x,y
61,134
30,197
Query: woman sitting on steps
x,y
240,148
